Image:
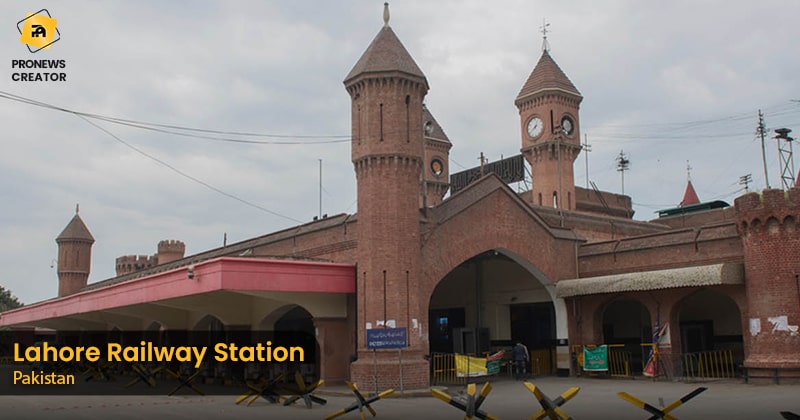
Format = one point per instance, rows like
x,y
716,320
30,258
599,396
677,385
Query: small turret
x,y
74,256
770,239
170,250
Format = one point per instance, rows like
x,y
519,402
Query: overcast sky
x,y
666,82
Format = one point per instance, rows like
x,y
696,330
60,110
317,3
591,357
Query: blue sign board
x,y
387,338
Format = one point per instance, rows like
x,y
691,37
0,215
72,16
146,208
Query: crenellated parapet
x,y
771,212
127,264
170,250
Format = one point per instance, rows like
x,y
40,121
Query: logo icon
x,y
38,30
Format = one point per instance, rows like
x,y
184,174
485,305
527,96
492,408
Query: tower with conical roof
x,y
74,256
436,170
548,106
387,89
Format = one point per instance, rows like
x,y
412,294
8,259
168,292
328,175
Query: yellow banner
x,y
467,366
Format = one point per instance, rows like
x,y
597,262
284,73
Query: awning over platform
x,y
704,275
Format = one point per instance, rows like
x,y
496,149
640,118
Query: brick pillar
x,y
335,338
771,240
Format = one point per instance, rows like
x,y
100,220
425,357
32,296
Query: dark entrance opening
x,y
489,303
534,324
442,323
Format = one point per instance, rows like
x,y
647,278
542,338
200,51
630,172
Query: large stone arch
x,y
488,216
560,308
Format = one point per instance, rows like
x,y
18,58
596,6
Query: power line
x,y
186,131
184,174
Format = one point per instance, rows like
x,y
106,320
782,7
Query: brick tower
x,y
548,108
436,173
74,256
387,89
771,240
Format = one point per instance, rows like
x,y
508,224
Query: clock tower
x,y
548,108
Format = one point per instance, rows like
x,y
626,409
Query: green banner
x,y
595,359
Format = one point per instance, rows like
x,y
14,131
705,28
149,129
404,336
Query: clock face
x,y
567,126
428,127
535,127
437,167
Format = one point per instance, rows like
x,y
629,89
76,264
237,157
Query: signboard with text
x,y
387,338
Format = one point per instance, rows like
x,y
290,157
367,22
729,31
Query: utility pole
x,y
761,131
587,148
746,180
623,164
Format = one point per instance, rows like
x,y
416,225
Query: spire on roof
x,y
431,127
689,196
76,230
385,54
546,76
688,172
545,44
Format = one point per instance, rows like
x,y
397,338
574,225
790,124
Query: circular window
x,y
437,167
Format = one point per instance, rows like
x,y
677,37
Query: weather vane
x,y
545,44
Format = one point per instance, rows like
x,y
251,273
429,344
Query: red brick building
x,y
553,267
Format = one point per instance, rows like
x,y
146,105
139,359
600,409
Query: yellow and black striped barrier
x,y
144,374
185,381
304,391
656,412
551,408
98,372
262,388
471,404
360,403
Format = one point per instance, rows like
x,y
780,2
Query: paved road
x,y
509,399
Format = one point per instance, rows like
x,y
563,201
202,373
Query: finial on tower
x,y
545,44
77,208
385,14
688,172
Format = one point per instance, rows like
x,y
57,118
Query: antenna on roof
x,y
545,44
385,14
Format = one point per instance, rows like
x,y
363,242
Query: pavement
x,y
509,399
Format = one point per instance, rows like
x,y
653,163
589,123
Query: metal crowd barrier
x,y
705,365
443,369
542,362
619,363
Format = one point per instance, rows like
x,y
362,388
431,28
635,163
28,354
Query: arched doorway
x,y
710,322
627,323
290,325
488,303
207,332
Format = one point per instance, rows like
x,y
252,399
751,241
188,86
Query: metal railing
x,y
619,360
706,365
443,369
542,362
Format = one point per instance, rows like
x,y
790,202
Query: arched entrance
x,y
488,303
290,325
709,320
628,323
